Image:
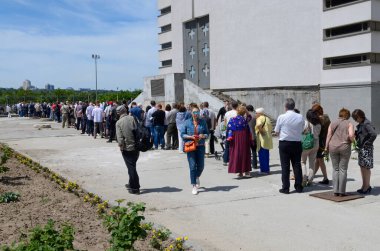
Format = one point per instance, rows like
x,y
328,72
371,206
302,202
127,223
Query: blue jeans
x,y
158,136
226,153
264,160
196,163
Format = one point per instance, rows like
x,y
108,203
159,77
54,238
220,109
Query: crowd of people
x,y
246,135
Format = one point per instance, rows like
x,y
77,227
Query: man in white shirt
x,y
289,127
229,115
97,113
90,119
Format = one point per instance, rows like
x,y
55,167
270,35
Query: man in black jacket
x,y
158,124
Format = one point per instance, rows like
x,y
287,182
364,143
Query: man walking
x,y
90,120
172,132
158,125
125,131
65,110
97,114
289,127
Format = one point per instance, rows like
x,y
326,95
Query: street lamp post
x,y
117,94
96,57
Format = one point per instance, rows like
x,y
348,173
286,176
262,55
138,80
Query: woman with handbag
x,y
310,149
240,139
338,144
264,139
194,132
365,136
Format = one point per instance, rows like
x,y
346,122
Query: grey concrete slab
x,y
228,214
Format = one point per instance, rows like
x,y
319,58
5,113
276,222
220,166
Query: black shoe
x,y
284,191
360,190
299,190
134,191
366,191
324,182
336,194
109,141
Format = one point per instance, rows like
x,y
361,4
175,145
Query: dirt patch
x,y
42,200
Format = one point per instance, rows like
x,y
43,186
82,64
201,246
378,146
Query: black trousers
x,y
172,136
212,142
130,159
254,156
290,152
84,124
112,130
79,121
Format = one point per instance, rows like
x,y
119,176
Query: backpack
x,y
308,140
143,139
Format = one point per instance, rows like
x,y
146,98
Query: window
x,y
335,3
166,10
166,28
166,46
351,29
352,60
166,63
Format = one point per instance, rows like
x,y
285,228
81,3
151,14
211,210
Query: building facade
x,y
262,52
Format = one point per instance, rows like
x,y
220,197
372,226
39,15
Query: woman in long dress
x,y
240,139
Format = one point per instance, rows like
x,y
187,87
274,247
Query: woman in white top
x,y
313,125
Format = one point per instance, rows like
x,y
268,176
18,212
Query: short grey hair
x,y
290,104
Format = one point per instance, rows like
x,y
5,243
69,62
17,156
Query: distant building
x,y
84,89
69,88
49,87
27,85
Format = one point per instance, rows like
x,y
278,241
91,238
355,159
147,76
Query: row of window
x,y
329,4
351,60
351,29
168,45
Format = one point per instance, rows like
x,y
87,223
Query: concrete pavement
x,y
228,214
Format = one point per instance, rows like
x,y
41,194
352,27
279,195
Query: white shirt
x,y
229,115
97,113
89,112
290,126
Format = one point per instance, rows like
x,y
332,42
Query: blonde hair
x,y
241,110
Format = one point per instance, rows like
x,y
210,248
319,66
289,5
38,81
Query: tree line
x,y
13,96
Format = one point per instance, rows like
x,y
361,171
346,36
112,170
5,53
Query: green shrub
x,y
125,225
47,239
9,197
158,237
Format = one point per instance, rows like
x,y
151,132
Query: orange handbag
x,y
191,146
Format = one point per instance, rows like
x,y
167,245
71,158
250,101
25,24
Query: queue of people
x,y
246,135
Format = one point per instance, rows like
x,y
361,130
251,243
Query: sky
x,y
52,41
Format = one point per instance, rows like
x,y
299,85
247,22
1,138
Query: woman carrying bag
x,y
194,132
365,136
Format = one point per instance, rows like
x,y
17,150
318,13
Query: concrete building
x,y
49,87
26,85
262,52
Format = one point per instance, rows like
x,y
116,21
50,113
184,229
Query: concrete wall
x,y
192,93
249,40
173,89
375,114
273,100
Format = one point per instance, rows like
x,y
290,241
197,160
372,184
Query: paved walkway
x,y
228,214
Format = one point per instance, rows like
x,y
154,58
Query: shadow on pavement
x,y
160,190
219,189
12,181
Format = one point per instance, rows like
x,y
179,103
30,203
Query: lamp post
x,y
96,57
117,94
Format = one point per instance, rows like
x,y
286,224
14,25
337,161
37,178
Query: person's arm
x,y
119,136
184,134
351,132
372,134
328,138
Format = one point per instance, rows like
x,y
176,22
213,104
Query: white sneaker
x,y
195,190
198,183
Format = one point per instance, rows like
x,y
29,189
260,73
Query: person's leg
x,y
155,136
200,160
285,164
207,146
191,157
312,157
96,125
226,153
343,166
130,159
367,178
295,158
254,157
264,160
212,142
180,142
101,129
304,156
335,159
162,136
175,137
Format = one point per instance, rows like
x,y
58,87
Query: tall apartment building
x,y
261,52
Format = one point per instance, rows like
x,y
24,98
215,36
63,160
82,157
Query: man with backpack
x,y
126,128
